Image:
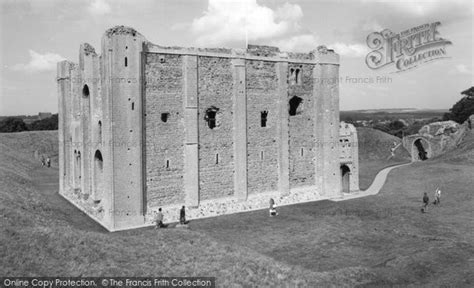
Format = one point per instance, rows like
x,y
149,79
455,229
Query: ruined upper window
x,y
295,75
263,118
295,105
211,117
85,91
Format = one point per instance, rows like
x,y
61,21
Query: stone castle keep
x,y
143,126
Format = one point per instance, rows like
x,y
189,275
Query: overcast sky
x,y
35,35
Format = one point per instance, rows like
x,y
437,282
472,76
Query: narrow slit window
x,y
167,164
217,158
297,76
133,105
126,62
263,118
302,152
261,155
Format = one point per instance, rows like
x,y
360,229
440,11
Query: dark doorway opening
x,y
422,154
345,178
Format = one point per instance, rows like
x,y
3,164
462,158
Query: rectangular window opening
x,y
263,118
164,117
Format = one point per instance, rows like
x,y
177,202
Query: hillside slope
x,y
44,235
374,154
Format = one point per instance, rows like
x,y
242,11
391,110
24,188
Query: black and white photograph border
x,y
247,143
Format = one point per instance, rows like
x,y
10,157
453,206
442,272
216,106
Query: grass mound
x,y
374,154
376,241
27,143
464,153
44,235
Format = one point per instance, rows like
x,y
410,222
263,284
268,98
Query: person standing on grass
x,y
437,196
272,211
182,216
159,220
426,200
42,161
48,162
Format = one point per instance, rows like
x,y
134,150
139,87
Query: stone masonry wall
x,y
164,140
262,147
301,128
216,164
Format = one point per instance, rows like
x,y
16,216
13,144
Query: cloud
x,y
99,7
40,62
371,26
350,50
298,43
462,69
423,7
228,21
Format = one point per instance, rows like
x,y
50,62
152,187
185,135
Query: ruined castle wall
x,y
164,128
301,126
216,164
178,126
123,48
325,81
64,114
76,127
262,161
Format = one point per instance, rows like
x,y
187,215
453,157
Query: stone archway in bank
x,y
420,150
345,178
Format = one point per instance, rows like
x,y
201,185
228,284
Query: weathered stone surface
x,y
436,138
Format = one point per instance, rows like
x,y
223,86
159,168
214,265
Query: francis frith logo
x,y
407,49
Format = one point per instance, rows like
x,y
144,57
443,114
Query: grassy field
x,y
380,240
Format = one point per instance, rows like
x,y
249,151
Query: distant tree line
x,y
461,110
16,124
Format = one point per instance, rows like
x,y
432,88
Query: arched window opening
x,y
295,105
98,180
85,91
345,178
297,76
